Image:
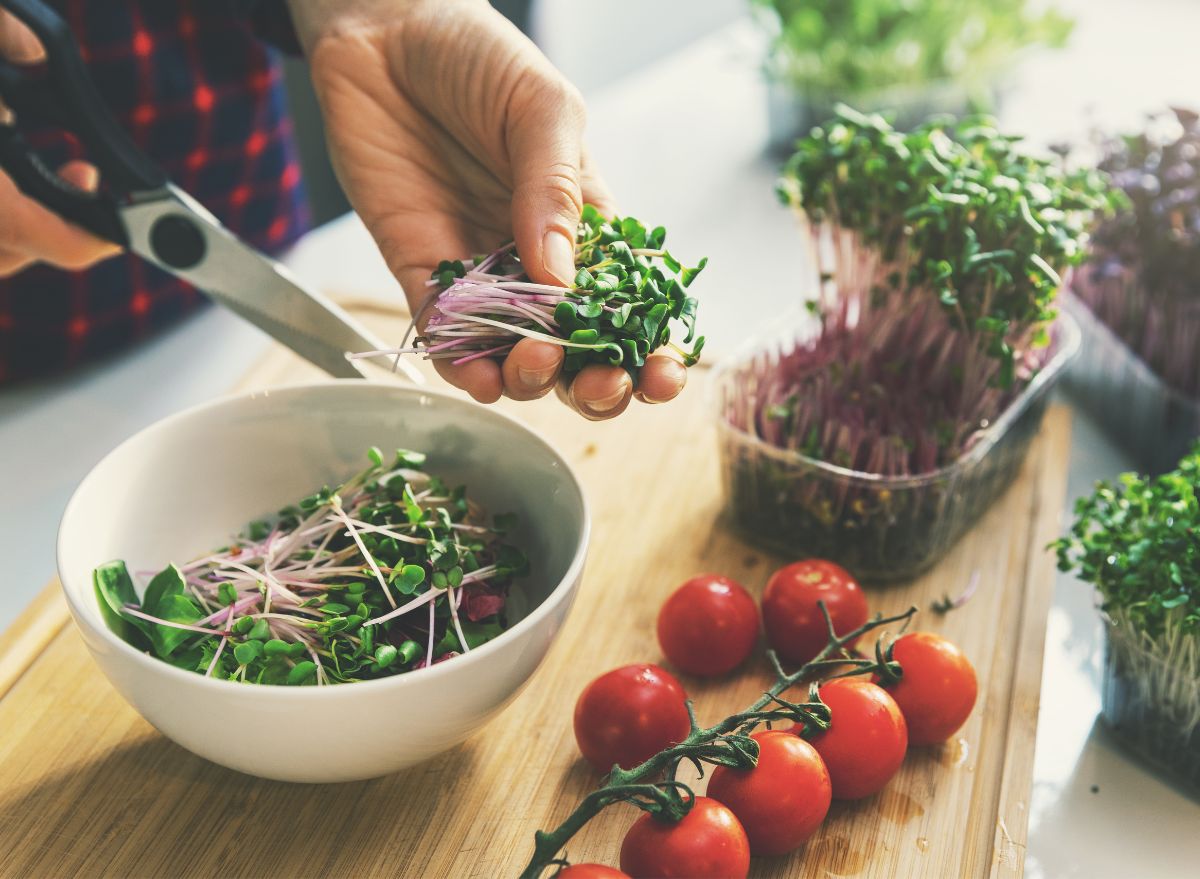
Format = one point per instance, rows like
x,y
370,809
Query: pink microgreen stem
x,y
387,532
462,639
405,608
947,604
133,611
239,605
429,652
216,657
337,510
488,352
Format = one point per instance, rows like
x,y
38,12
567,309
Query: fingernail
x,y
558,256
677,376
536,379
90,178
606,404
28,48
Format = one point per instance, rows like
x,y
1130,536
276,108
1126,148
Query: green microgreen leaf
x,y
114,590
303,672
248,651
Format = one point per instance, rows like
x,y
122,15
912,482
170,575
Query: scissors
x,y
140,210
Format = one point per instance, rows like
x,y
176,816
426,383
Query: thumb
x,y
81,175
17,42
546,148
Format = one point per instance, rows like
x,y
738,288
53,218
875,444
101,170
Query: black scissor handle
x,y
62,92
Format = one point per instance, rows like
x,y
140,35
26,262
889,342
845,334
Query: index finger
x,y
407,256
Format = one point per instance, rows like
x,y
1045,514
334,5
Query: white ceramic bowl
x,y
186,484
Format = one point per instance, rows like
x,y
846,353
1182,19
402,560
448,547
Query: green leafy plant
x,y
954,213
391,571
850,48
937,257
652,786
1138,543
626,293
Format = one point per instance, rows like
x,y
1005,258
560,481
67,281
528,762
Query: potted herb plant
x,y
1138,543
881,427
914,57
1137,296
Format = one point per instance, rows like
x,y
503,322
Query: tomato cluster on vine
x,y
853,732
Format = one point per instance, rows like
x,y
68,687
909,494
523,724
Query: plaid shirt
x,y
195,87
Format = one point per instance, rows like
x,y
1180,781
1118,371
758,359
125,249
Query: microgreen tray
x,y
1153,422
1152,705
880,528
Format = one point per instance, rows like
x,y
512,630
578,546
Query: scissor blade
x,y
319,352
255,287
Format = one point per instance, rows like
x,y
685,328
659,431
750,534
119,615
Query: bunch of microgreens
x,y
389,572
652,786
1138,543
1142,276
937,256
627,291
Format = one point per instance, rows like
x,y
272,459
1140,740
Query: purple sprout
x,y
879,380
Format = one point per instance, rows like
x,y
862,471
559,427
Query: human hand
x,y
30,233
451,134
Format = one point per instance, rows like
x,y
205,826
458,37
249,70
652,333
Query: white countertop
x,y
681,146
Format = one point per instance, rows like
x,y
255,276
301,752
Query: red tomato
x,y
628,715
794,624
708,626
783,800
937,689
866,739
708,843
591,871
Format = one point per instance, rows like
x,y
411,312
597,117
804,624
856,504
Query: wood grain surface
x,y
87,788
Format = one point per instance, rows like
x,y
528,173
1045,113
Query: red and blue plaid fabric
x,y
198,91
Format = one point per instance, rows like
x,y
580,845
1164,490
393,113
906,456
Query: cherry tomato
x,y
628,715
783,800
866,739
591,871
794,624
937,689
708,626
708,843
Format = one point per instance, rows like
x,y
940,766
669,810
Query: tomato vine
x,y
652,786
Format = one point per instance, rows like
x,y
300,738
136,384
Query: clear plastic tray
x,y
1152,421
1152,707
880,528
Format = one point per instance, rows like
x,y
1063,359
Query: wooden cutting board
x,y
87,788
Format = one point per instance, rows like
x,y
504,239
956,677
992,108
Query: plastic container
x,y
1152,421
1152,705
880,528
